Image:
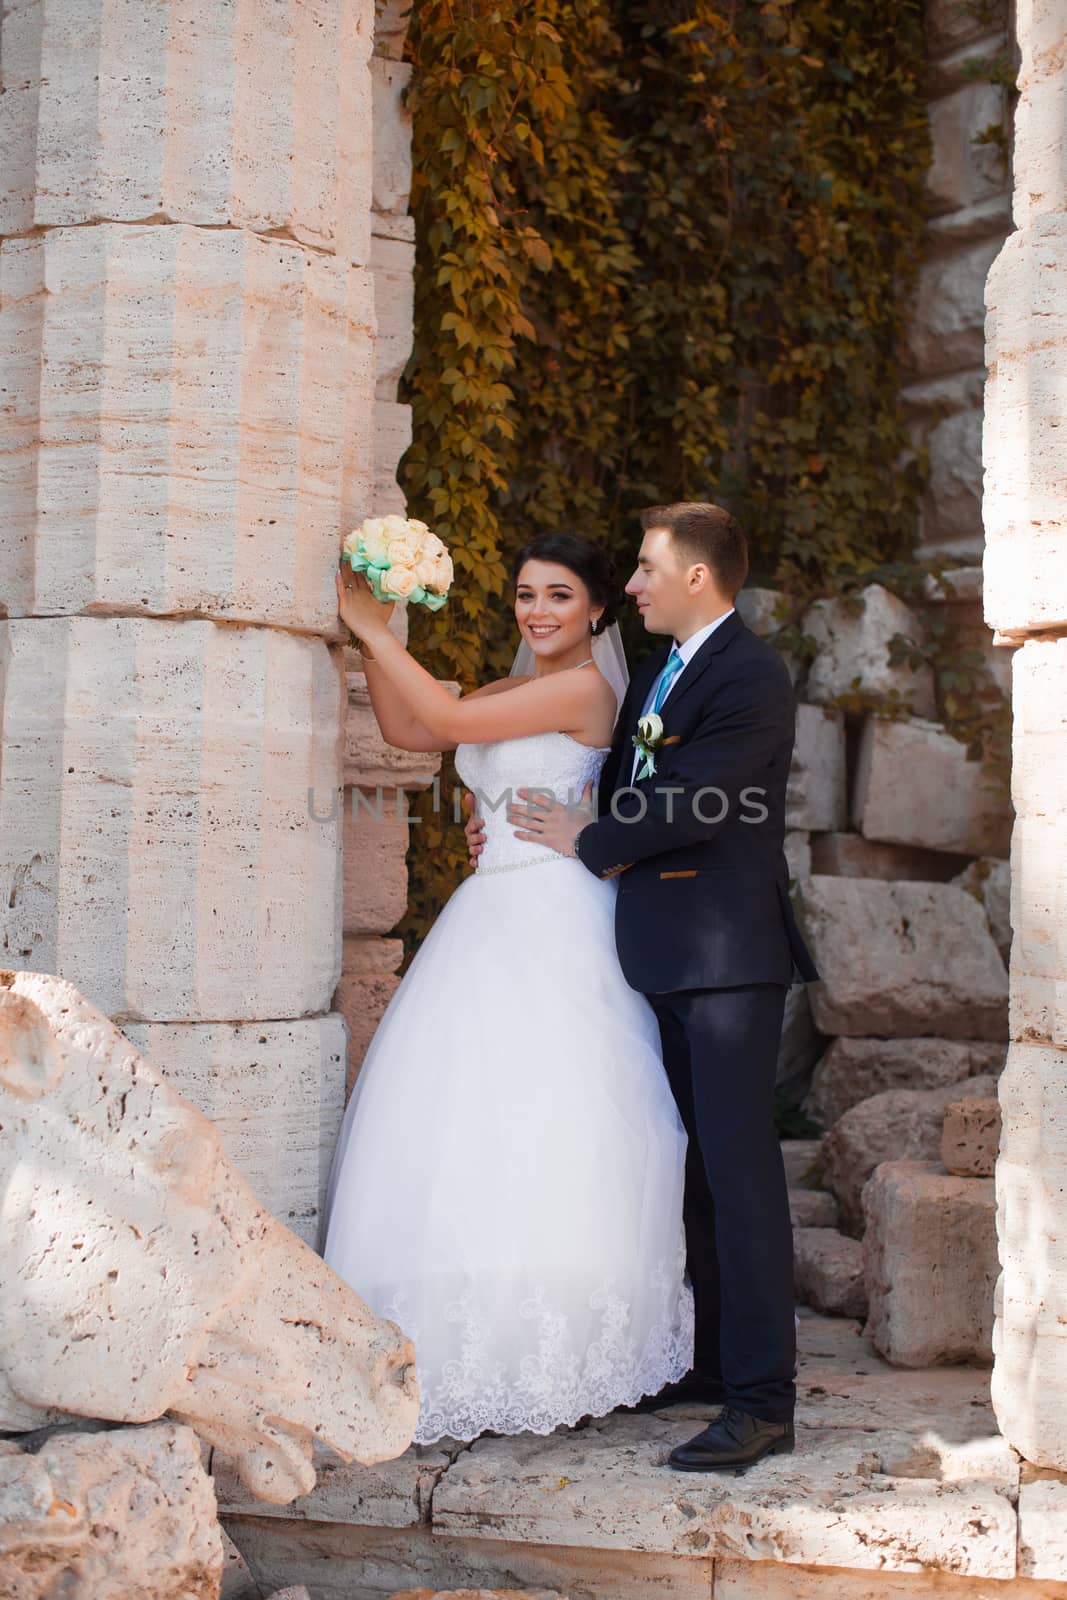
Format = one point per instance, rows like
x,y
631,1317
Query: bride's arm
x,y
394,716
564,702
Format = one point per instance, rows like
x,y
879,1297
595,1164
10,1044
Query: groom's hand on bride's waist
x,y
539,818
474,829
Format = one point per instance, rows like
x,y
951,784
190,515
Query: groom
x,y
705,929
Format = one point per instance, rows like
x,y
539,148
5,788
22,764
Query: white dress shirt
x,y
687,651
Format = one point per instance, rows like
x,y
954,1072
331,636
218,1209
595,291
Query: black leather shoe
x,y
693,1390
734,1439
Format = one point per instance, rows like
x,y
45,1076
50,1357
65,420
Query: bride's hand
x,y
356,604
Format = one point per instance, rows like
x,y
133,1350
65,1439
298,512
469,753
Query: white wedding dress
x,y
508,1181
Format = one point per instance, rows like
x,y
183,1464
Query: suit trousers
x,y
720,1050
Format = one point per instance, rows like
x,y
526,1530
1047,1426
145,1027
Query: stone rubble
x,y
852,642
970,1138
853,1070
828,1271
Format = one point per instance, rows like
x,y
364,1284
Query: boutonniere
x,y
647,740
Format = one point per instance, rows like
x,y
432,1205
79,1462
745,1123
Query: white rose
x,y
444,574
433,547
403,550
351,544
399,582
426,572
418,527
396,527
375,541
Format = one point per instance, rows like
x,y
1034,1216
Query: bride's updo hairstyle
x,y
586,560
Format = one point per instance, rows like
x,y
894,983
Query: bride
x,y
508,1181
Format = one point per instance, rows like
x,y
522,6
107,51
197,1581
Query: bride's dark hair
x,y
586,560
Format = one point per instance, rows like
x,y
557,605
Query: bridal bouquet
x,y
401,560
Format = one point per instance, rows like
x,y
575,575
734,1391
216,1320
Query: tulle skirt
x,y
508,1181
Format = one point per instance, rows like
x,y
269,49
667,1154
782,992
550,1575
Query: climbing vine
x,y
664,248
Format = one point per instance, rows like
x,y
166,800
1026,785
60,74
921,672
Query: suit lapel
x,y
616,768
692,674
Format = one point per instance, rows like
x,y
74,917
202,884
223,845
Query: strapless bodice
x,y
495,772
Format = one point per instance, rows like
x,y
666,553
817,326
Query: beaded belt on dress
x,y
516,866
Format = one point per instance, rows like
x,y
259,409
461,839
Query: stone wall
x,y
968,191
205,296
1025,510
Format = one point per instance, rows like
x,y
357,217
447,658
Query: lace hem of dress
x,y
555,1387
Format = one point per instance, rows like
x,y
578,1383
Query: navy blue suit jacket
x,y
703,899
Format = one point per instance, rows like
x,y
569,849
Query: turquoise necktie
x,y
671,669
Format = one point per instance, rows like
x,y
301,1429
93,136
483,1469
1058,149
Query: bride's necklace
x,y
588,663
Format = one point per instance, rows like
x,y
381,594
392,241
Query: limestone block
x,y
1043,1529
815,798
989,881
477,1594
759,610
392,436
370,763
375,861
204,399
393,265
853,1070
812,1208
126,1222
828,1271
850,855
158,846
1026,545
1039,923
297,1591
914,785
1030,1375
970,1138
962,171
853,640
389,1494
896,1125
902,960
798,852
930,1251
760,1580
392,134
951,512
274,1090
948,25
237,1580
1040,131
367,984
391,19
830,1504
802,1160
945,330
109,1515
193,113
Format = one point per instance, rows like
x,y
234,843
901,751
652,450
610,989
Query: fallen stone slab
x,y
1043,1528
388,1494
852,638
855,1069
816,795
828,1271
930,1253
902,960
914,785
850,855
237,1580
109,1515
812,1208
829,1504
899,1124
970,1138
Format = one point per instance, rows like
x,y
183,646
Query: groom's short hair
x,y
705,532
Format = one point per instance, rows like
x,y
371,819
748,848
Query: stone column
x,y
191,411
1025,513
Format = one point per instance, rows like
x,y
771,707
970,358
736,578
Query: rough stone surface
x,y
247,1335
758,610
274,1090
915,786
367,984
157,848
1026,545
891,1126
902,960
854,1069
812,1208
369,762
828,1271
946,329
393,264
989,881
758,1580
802,1159
1043,1529
850,855
190,423
815,798
832,1503
478,1594
109,1515
853,650
930,1251
970,1138
1030,1377
192,115
798,853
237,1580
375,840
